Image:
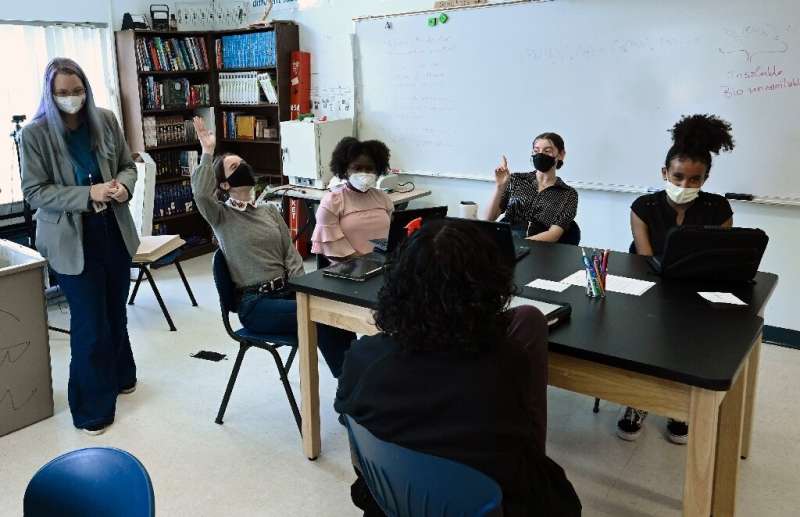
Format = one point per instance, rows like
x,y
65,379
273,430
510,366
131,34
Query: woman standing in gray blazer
x,y
78,173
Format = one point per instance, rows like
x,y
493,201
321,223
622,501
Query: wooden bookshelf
x,y
250,140
265,158
174,73
172,111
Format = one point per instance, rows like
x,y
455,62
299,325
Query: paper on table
x,y
615,284
722,298
549,285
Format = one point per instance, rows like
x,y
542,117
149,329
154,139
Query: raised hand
x,y
501,173
207,139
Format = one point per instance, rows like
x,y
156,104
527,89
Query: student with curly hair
x,y
686,169
455,373
355,212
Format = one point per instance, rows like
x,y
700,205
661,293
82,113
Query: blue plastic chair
x,y
408,483
94,481
247,339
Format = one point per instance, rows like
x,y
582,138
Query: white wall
x,y
603,216
95,11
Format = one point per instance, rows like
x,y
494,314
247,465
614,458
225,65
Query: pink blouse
x,y
347,220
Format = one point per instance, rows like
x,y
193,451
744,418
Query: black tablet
x,y
357,269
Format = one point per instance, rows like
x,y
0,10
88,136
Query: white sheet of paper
x,y
615,284
722,298
549,285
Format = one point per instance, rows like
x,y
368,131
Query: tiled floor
x,y
253,465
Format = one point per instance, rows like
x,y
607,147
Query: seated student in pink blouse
x,y
355,212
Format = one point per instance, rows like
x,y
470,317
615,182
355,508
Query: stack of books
x,y
172,94
171,54
171,129
240,126
171,164
254,50
173,199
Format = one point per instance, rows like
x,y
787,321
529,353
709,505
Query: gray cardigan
x,y
48,182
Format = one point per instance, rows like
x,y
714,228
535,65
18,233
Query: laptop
x,y
401,218
711,253
501,233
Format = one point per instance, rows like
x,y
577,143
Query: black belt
x,y
273,287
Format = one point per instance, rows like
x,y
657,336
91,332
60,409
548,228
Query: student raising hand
x,y
207,139
501,173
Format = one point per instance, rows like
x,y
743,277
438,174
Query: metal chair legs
x,y
282,371
234,374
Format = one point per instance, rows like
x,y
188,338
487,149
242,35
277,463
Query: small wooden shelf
x,y
249,141
238,106
174,110
246,69
164,147
165,218
171,179
173,72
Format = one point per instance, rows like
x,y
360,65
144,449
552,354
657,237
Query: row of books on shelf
x,y
246,88
254,50
173,199
164,130
171,164
173,93
240,126
171,54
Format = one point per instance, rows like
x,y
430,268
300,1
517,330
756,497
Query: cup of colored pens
x,y
596,264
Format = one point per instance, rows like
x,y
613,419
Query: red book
x,y
300,84
297,219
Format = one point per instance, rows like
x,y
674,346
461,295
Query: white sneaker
x,y
95,432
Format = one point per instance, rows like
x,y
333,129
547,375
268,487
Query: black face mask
x,y
544,162
242,176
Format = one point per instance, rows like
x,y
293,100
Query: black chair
x,y
247,339
572,235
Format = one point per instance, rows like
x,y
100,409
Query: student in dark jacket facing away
x,y
456,374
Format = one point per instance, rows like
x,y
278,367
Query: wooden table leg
x,y
750,396
729,440
699,478
309,377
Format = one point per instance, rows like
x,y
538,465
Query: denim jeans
x,y
266,315
102,361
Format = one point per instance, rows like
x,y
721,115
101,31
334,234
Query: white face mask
x,y
681,195
362,181
70,104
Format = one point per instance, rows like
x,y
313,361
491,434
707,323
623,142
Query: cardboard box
x,y
26,384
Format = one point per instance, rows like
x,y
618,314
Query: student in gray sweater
x,y
257,247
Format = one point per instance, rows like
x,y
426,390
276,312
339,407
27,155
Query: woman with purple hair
x,y
78,173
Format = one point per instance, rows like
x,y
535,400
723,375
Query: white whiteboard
x,y
611,76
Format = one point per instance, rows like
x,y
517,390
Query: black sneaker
x,y
677,431
629,426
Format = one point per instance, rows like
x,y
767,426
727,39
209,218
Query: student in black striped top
x,y
685,171
538,204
